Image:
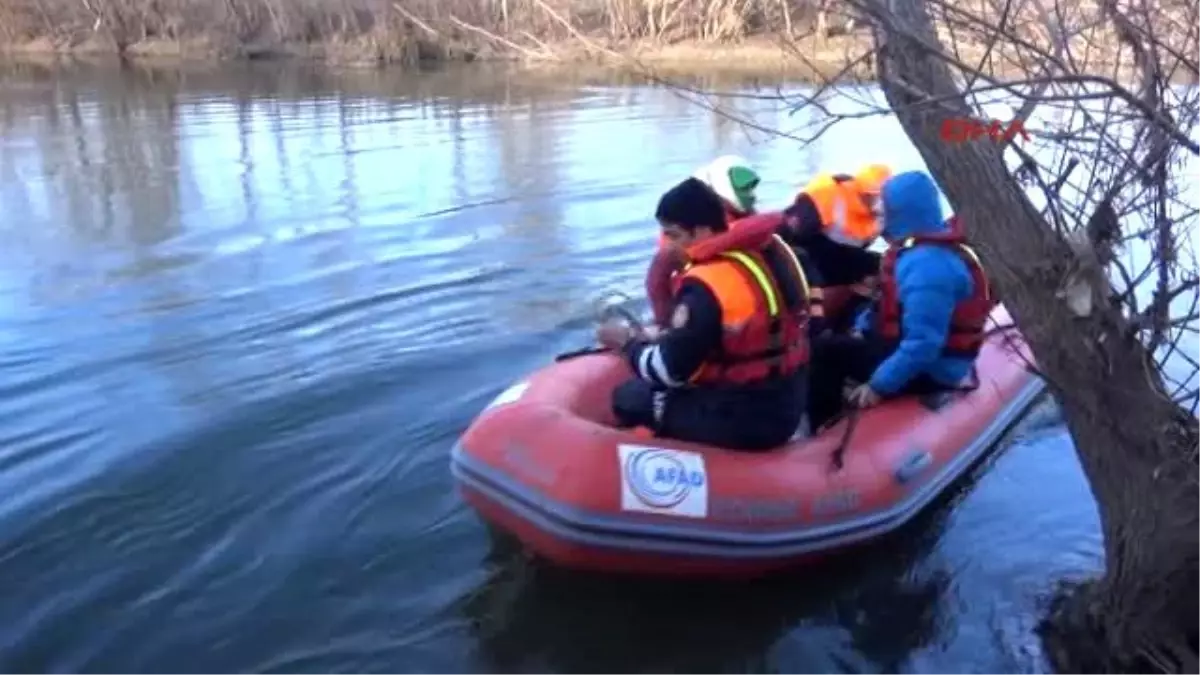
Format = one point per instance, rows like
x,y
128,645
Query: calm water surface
x,y
245,313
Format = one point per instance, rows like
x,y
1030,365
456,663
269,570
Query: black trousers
x,y
836,359
841,265
843,322
751,420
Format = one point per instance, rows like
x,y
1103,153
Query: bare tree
x,y
1060,222
1112,180
1088,232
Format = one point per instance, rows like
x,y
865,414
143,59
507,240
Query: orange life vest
x,y
763,336
970,316
844,217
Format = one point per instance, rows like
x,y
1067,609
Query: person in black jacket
x,y
731,368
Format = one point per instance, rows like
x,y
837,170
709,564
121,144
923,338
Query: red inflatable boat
x,y
544,463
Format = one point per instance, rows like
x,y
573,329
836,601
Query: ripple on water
x,y
244,316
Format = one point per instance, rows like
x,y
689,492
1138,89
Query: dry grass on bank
x,y
405,30
698,35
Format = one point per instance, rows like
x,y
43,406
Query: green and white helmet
x,y
732,179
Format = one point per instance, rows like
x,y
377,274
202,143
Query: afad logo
x,y
659,479
957,130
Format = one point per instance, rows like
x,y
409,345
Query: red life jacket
x,y
732,214
764,335
731,217
955,226
970,316
664,267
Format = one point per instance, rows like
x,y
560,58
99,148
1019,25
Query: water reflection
x,y
244,313
863,613
142,167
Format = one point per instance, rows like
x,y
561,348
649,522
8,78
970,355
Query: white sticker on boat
x,y
657,480
510,395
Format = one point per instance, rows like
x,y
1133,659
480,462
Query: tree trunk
x,y
1137,448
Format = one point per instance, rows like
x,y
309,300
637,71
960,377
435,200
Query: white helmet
x,y
732,179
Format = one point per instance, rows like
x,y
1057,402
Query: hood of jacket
x,y
911,205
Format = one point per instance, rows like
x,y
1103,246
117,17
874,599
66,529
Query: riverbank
x,y
668,36
762,55
409,32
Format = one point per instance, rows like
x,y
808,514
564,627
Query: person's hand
x,y
791,219
651,333
863,396
673,256
866,286
613,334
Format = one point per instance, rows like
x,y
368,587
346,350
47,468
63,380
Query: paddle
x,y
567,356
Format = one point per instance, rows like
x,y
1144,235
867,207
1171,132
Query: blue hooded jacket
x,y
930,281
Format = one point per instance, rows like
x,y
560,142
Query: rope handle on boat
x,y
972,383
839,453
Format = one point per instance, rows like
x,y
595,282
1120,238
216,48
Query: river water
x,y
244,314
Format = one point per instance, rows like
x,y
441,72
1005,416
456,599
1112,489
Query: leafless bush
x,y
395,28
1103,92
1089,232
1107,95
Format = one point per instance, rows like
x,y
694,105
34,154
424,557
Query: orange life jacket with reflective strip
x,y
816,294
844,217
970,316
763,336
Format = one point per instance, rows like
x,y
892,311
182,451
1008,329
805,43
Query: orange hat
x,y
870,178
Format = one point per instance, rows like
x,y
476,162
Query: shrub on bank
x,y
387,30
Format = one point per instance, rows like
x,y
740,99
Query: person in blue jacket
x,y
925,329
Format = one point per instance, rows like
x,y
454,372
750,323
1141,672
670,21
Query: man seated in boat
x,y
833,220
731,369
927,325
734,183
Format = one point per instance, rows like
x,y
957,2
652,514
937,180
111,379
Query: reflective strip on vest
x,y
763,281
837,229
971,252
760,275
809,291
909,242
835,211
750,294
